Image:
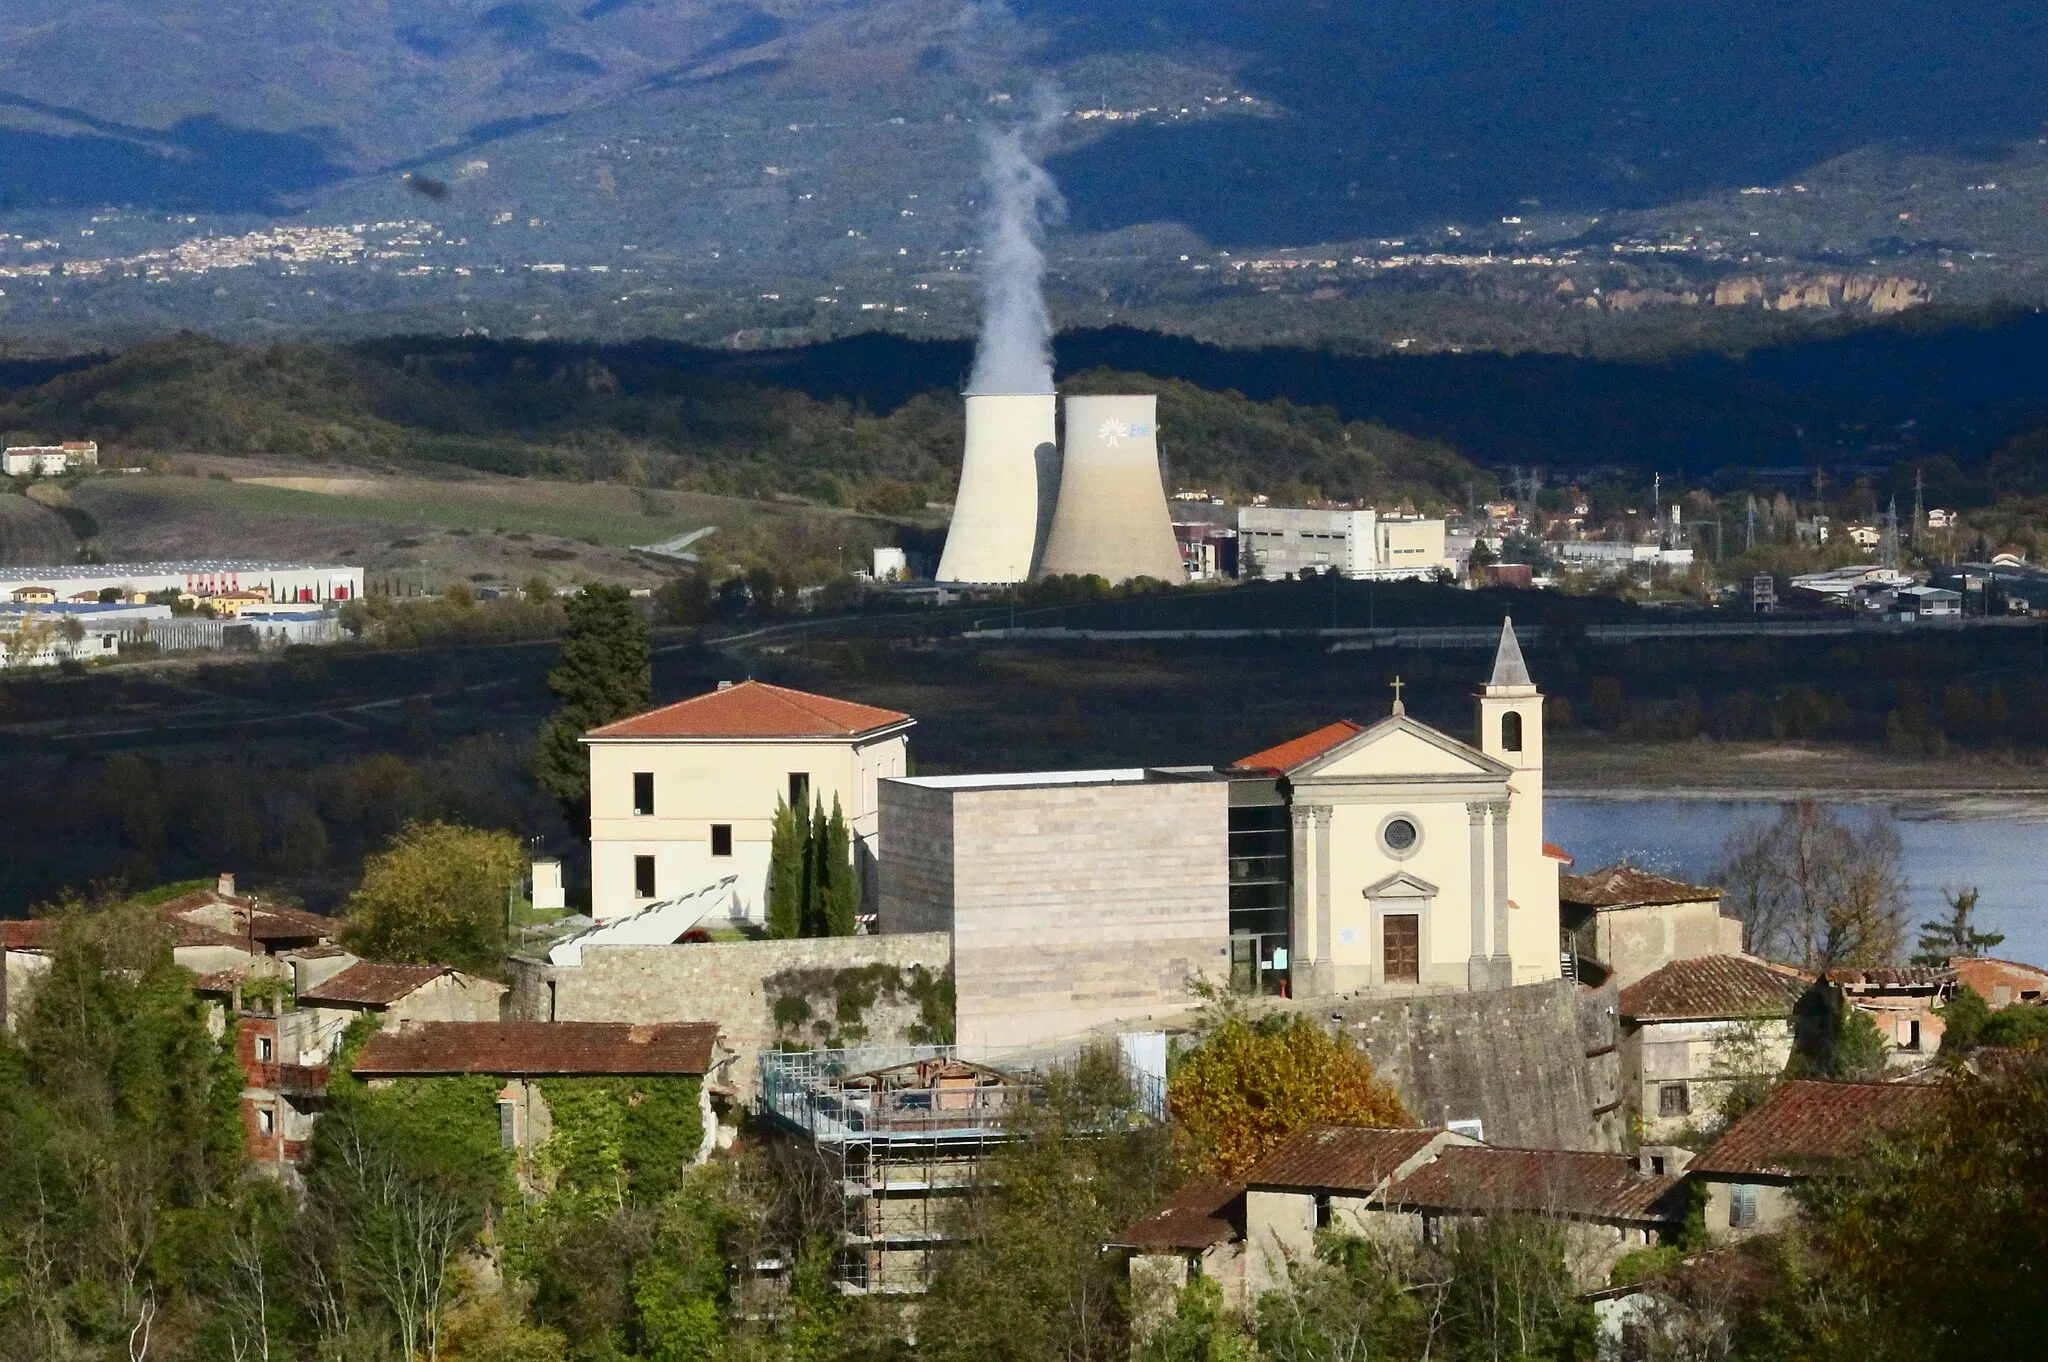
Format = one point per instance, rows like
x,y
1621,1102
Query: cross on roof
x,y
1399,708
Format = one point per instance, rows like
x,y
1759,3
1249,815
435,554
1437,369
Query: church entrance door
x,y
1401,947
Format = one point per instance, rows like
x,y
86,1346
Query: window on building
x,y
1322,1212
799,789
721,839
266,1121
1912,1037
1432,1229
643,794
1511,732
1742,1207
643,877
1674,1099
264,1049
508,1125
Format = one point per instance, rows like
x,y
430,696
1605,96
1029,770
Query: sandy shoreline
x,y
1966,787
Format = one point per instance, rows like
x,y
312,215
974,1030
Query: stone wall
x,y
732,983
1535,1064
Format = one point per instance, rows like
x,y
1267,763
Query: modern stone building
x,y
1074,899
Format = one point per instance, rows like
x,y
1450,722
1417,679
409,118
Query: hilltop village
x,y
794,941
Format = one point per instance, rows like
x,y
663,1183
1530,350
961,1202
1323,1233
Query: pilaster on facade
x,y
1301,893
1321,814
1479,969
1503,958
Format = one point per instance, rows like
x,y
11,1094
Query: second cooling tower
x,y
995,512
1111,518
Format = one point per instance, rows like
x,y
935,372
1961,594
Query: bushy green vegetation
x,y
439,894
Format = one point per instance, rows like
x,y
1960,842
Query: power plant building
x,y
1111,519
1010,449
1283,541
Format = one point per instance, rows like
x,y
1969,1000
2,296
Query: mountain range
x,y
775,171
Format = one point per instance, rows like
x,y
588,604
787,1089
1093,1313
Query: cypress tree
x,y
785,874
605,673
807,826
842,887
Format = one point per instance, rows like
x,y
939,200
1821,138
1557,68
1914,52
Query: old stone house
x,y
525,1054
1694,1029
1804,1129
1622,922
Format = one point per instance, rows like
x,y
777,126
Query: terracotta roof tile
x,y
1557,853
1804,1124
1292,753
755,709
526,1049
28,934
274,922
1715,987
1624,886
1539,1181
1892,976
1354,1158
1204,1213
40,934
371,983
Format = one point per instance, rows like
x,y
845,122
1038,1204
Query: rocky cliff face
x,y
1878,294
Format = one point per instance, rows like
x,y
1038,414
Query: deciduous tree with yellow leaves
x,y
1251,1084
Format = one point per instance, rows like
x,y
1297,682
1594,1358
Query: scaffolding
x,y
907,1133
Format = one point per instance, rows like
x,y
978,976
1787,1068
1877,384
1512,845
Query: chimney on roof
x,y
725,685
226,887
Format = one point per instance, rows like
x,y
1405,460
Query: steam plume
x,y
1015,351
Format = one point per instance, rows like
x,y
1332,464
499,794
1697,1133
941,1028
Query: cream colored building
x,y
685,795
1630,922
1418,863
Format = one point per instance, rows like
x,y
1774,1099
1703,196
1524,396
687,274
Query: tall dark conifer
x,y
605,674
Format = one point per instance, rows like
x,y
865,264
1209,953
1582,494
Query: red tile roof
x,y
1892,977
1715,988
1804,1125
1624,886
1557,853
1204,1213
28,934
370,983
1339,1158
529,1049
1539,1181
755,709
273,922
40,934
1296,751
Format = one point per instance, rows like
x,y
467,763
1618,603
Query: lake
x,y
2005,855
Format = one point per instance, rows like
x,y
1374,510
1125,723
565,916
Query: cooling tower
x,y
1111,518
995,512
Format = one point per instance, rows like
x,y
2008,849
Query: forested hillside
x,y
876,435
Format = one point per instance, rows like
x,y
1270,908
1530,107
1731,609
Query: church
x,y
1392,858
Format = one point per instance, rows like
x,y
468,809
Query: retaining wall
x,y
1536,1064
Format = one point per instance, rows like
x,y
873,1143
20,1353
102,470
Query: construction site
x,y
907,1132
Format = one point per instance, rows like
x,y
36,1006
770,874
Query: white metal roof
x,y
1018,779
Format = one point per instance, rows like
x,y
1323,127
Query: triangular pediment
x,y
1402,885
1400,747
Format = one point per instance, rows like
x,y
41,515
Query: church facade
x,y
1398,859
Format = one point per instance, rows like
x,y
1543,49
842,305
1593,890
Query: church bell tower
x,y
1525,939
